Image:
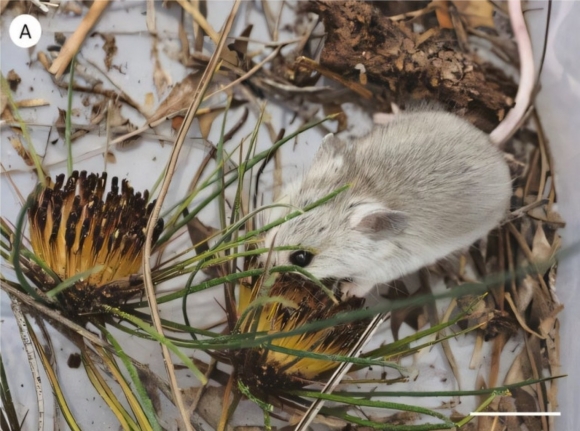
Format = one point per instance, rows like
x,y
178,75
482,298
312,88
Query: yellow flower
x,y
265,370
74,227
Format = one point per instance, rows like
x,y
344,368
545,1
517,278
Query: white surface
x,y
559,98
558,104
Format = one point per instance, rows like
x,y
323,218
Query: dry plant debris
x,y
402,64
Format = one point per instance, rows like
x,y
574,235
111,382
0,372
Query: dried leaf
x,y
475,13
110,157
413,316
555,219
115,117
13,80
508,404
161,78
541,248
60,125
210,406
442,13
526,293
179,98
547,215
206,121
199,233
22,152
110,47
549,323
526,402
32,103
241,46
336,109
111,111
72,8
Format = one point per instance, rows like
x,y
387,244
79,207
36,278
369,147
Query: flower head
x,y
266,370
75,228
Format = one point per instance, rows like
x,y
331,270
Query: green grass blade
x,y
15,257
159,338
458,393
233,177
363,402
69,282
140,416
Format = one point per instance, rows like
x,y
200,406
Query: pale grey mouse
x,y
421,187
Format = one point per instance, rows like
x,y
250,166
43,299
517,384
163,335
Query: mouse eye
x,y
301,258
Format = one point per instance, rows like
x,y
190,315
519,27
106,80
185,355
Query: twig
x,y
249,73
200,20
342,369
447,348
520,212
147,276
414,14
73,43
68,119
52,314
352,85
510,123
151,23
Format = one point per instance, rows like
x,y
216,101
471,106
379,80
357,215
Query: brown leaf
x,y
475,13
206,121
541,248
442,13
199,233
13,80
60,125
32,103
161,78
240,47
110,157
412,316
179,98
335,108
525,293
111,112
110,47
527,403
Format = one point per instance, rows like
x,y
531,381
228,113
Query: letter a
x,y
25,31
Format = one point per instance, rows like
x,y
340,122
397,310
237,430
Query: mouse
x,y
421,187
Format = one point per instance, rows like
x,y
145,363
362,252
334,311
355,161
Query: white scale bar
x,y
514,414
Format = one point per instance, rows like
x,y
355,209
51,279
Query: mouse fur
x,y
421,187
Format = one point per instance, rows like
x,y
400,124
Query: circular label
x,y
25,31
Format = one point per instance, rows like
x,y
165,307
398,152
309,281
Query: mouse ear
x,y
375,219
331,146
